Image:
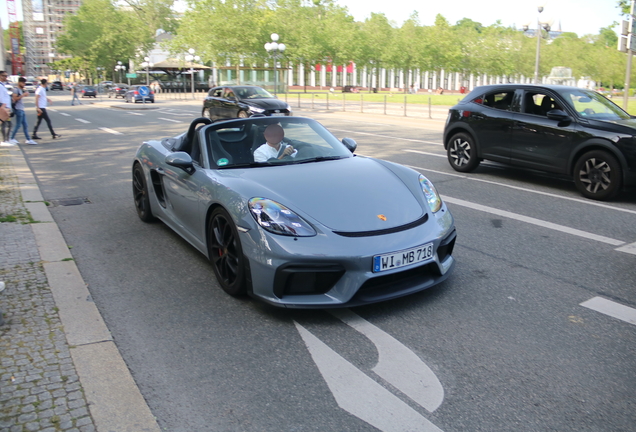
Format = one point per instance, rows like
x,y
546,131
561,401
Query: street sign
x,y
144,91
131,75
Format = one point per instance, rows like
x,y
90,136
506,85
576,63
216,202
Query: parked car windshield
x,y
593,105
233,144
252,93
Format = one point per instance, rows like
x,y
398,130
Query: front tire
x,y
140,194
226,253
598,175
462,152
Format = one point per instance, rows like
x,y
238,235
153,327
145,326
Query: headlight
x,y
432,197
278,219
256,109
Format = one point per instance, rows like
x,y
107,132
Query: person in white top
x,y
41,102
274,148
5,100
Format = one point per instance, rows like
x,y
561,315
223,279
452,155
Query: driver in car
x,y
274,147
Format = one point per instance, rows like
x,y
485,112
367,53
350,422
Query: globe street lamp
x,y
119,68
190,57
540,26
276,50
147,64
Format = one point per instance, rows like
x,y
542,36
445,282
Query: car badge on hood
x,y
382,217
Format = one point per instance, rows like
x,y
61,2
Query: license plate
x,y
402,258
278,114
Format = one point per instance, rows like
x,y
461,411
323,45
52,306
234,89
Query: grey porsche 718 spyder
x,y
290,215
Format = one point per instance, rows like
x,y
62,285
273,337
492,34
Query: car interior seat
x,y
529,106
546,105
216,150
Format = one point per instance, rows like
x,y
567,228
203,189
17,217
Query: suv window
x,y
538,103
499,100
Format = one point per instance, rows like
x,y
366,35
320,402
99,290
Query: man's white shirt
x,y
267,152
4,97
42,101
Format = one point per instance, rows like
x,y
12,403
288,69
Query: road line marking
x,y
133,113
65,114
426,153
386,136
628,248
114,132
170,120
397,364
359,395
533,221
613,309
82,120
578,200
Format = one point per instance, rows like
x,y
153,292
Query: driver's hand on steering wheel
x,y
288,151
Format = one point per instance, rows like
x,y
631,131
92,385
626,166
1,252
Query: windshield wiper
x,y
320,159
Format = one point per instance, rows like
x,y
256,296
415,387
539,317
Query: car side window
x,y
499,100
217,93
229,94
539,104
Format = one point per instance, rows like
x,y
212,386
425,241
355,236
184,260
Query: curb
x,y
114,400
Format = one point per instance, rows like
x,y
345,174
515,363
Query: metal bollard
x,y
384,104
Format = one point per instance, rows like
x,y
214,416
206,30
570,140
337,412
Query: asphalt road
x,y
505,336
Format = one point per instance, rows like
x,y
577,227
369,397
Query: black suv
x,y
57,85
559,129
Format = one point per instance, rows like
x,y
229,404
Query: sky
x,y
578,16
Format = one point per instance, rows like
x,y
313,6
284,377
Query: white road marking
x,y
114,132
578,200
628,248
613,309
397,364
386,136
426,153
82,120
65,114
361,396
170,120
533,221
133,113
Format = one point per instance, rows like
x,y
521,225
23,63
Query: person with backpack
x,y
20,93
5,100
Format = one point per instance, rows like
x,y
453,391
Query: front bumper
x,y
328,270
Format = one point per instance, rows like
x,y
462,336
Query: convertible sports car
x,y
311,226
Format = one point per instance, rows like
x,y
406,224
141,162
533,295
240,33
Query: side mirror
x,y
558,115
181,160
350,144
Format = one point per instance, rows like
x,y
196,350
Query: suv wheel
x,y
462,152
597,175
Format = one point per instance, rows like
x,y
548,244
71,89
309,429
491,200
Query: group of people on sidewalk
x,y
12,105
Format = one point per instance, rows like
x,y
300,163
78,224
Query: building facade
x,y
42,24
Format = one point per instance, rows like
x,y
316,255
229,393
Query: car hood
x,y
267,104
354,194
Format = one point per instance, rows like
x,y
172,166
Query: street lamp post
x,y
147,65
190,57
119,68
276,51
540,27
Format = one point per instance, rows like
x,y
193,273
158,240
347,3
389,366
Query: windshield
x,y
264,142
252,93
590,104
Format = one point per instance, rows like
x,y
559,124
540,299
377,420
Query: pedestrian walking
x,y
5,100
20,93
41,102
74,94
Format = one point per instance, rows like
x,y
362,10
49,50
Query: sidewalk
x,y
59,367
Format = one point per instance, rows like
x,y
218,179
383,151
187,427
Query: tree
x,y
99,35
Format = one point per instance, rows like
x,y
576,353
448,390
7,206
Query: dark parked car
x,y
132,95
57,85
242,101
559,129
117,90
89,91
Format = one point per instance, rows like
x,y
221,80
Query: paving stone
x,y
34,353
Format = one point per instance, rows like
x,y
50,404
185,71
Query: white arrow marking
x,y
361,396
397,364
